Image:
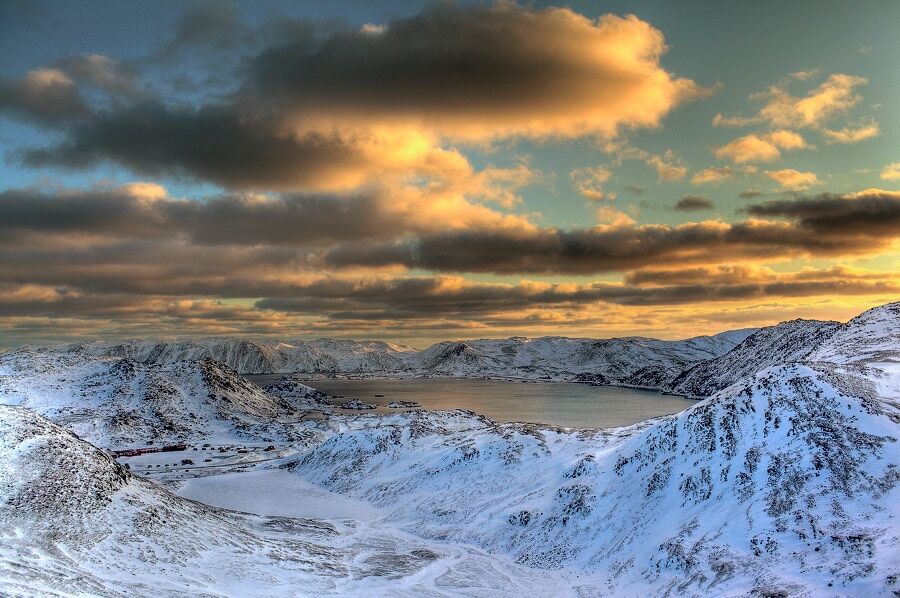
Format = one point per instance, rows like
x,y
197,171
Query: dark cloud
x,y
372,230
213,143
332,104
206,25
45,96
821,227
482,70
425,298
104,73
693,203
750,193
290,220
872,212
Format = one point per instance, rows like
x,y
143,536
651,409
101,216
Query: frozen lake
x,y
557,403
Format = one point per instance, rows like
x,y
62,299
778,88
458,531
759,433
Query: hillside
x,y
115,401
76,523
252,357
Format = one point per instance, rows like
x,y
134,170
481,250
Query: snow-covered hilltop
x,y
874,333
115,401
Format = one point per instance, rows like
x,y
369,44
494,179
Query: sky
x,y
429,171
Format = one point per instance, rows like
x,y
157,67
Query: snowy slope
x,y
785,483
614,360
74,523
113,401
788,342
870,337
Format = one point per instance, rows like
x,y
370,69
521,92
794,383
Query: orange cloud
x,y
666,168
528,72
784,110
717,174
589,181
760,148
793,180
891,172
852,135
613,218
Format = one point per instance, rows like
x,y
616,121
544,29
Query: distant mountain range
x,y
696,367
630,361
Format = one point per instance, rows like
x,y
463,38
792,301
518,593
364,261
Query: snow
x,y
784,481
275,492
98,530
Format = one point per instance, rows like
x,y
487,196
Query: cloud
x,y
46,96
339,108
874,212
625,247
135,240
130,260
693,203
873,215
712,175
613,218
589,181
666,168
891,172
760,148
851,134
103,73
221,145
480,72
781,109
750,193
718,174
418,303
205,25
793,180
144,211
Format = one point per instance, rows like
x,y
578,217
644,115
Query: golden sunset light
x,y
273,274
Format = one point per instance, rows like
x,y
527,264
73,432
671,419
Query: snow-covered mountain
x,y
633,361
797,341
115,401
788,342
785,483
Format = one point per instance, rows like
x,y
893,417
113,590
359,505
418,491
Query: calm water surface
x,y
557,403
